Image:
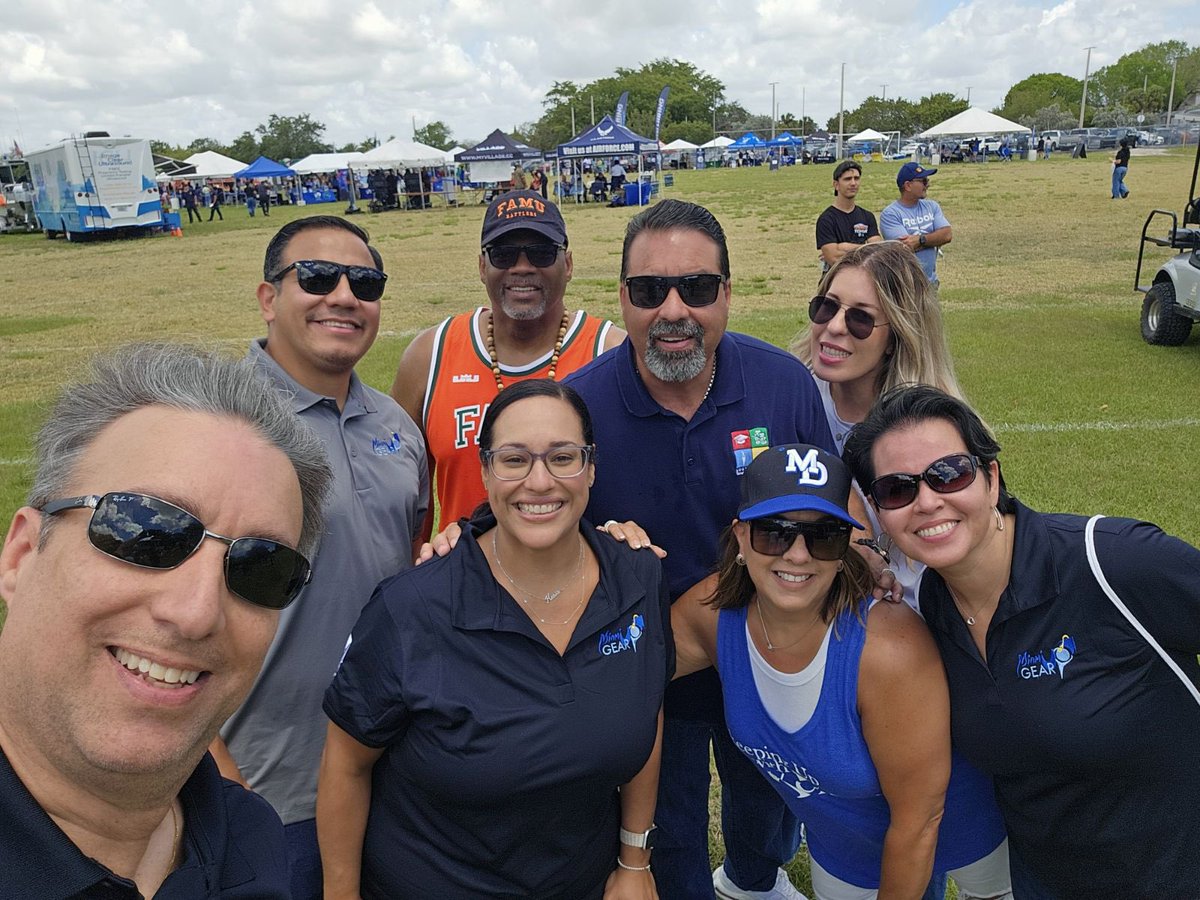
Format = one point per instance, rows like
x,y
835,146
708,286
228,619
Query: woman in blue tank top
x,y
842,705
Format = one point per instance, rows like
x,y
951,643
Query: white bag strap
x,y
1094,562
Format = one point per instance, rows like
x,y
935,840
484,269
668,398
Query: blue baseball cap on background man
x,y
911,171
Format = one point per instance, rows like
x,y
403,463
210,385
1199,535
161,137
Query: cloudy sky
x,y
185,69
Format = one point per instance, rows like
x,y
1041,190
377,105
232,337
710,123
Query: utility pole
x,y
968,95
773,83
841,112
802,115
593,100
1087,68
884,97
1171,98
573,131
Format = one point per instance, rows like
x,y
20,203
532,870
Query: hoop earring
x,y
740,559
841,565
999,518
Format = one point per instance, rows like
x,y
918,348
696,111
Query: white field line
x,y
1146,425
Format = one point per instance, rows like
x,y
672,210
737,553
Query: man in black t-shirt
x,y
844,225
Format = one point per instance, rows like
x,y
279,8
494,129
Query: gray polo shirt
x,y
380,493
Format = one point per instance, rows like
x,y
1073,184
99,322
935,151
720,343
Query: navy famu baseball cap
x,y
793,477
911,171
523,211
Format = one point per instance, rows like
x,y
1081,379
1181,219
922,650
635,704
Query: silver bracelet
x,y
645,868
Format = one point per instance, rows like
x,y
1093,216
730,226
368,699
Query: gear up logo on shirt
x,y
386,448
1047,662
612,642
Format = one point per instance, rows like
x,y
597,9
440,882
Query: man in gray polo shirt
x,y
320,298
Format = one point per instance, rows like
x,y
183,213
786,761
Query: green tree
x,y
1145,75
1037,92
934,108
291,137
798,127
244,147
162,148
696,132
1048,117
435,134
882,115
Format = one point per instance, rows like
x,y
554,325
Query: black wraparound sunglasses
x,y
320,276
154,534
824,540
650,291
505,256
859,322
947,475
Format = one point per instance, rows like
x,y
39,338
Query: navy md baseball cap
x,y
794,477
911,171
523,211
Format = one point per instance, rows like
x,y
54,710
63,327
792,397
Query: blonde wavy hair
x,y
917,352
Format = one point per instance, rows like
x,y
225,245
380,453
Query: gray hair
x,y
184,378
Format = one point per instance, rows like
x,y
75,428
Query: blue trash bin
x,y
631,193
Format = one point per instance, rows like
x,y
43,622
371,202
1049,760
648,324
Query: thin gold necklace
x,y
961,606
490,341
763,623
548,597
533,612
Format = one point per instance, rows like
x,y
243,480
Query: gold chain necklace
x,y
533,612
763,623
961,606
550,596
490,341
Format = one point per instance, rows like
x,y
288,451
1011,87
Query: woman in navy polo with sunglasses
x,y
1091,737
840,703
875,324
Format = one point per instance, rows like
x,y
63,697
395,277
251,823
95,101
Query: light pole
x,y
802,115
968,95
841,112
773,83
1171,98
1087,68
884,97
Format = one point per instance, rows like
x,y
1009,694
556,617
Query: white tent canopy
x,y
869,135
326,162
679,144
974,121
398,154
211,164
718,142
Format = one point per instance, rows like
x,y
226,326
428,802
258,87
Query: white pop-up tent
x,y
720,142
327,162
211,164
398,154
678,145
974,121
869,134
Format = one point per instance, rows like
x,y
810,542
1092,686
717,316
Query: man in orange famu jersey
x,y
451,373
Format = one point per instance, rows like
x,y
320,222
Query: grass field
x,y
1036,288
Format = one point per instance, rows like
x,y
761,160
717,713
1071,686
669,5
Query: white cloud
x,y
363,67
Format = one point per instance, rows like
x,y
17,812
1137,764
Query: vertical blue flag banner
x,y
622,106
660,109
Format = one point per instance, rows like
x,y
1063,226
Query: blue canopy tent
x,y
264,167
787,139
607,139
748,141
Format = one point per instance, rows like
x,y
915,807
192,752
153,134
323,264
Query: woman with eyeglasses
x,y
875,324
839,701
1091,736
495,722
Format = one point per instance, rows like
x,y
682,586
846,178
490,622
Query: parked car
x,y
1149,138
824,153
1052,138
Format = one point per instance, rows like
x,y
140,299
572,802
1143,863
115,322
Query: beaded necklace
x,y
490,341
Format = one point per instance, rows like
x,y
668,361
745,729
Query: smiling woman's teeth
x,y
153,670
792,579
538,509
935,530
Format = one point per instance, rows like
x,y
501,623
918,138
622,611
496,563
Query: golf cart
x,y
1172,300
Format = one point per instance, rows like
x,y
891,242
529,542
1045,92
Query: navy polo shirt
x,y
677,478
502,759
1093,743
233,847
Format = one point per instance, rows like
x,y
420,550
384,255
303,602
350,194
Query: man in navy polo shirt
x,y
135,627
681,407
